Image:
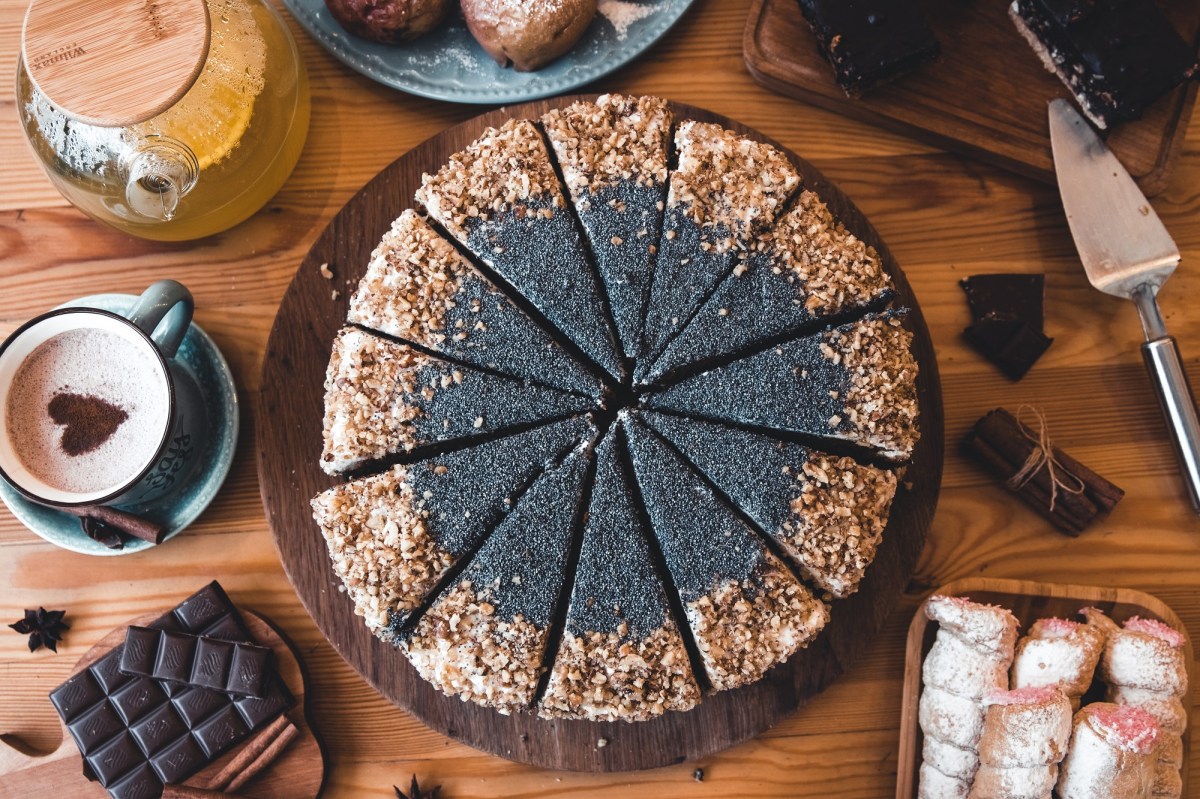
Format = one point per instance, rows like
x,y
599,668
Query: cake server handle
x,y
1161,355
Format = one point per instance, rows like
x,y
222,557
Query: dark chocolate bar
x,y
1009,313
870,41
136,733
1116,56
198,660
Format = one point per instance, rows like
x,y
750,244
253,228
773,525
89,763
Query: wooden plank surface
x,y
984,97
943,216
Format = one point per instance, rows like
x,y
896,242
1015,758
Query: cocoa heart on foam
x,y
88,420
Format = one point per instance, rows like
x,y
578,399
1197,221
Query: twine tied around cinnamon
x,y
1042,456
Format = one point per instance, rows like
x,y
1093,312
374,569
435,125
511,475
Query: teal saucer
x,y
199,355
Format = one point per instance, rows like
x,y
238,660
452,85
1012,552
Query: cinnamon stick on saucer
x,y
1060,488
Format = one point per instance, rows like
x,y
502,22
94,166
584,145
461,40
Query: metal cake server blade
x,y
1127,252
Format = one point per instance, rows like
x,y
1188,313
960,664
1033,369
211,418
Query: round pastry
x,y
543,523
388,21
527,34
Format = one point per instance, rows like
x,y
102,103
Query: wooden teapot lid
x,y
115,62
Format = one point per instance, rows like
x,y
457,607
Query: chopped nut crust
x,y
466,650
834,269
881,401
743,629
410,284
503,169
376,532
608,677
837,521
368,399
727,180
617,138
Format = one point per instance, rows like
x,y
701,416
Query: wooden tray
x,y
985,97
289,443
1028,601
298,773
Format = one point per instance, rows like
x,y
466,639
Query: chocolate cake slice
x,y
418,288
1116,56
726,190
501,198
808,268
746,611
613,155
870,41
855,383
392,536
621,657
827,513
484,638
383,398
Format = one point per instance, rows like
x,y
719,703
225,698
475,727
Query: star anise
x,y
44,628
415,792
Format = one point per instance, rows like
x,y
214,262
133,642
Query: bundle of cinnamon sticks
x,y
246,764
1067,493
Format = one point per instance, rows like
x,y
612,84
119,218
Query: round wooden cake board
x,y
297,773
289,445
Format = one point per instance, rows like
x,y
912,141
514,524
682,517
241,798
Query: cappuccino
x,y
87,410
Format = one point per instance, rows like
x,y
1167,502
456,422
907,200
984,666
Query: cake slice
x,y
418,288
621,657
827,513
484,638
809,268
501,198
613,154
854,383
1116,56
870,41
726,190
746,611
392,536
383,398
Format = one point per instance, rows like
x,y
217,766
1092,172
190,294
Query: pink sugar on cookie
x,y
1156,628
1127,728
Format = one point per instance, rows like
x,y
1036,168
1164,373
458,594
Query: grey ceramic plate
x,y
448,64
199,354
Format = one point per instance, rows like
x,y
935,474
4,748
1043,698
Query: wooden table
x,y
943,216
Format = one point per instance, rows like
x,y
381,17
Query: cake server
x,y
1127,252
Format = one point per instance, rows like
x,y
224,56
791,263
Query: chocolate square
x,y
137,699
137,656
179,760
115,759
248,670
229,628
95,726
76,695
158,730
211,666
143,783
203,607
258,711
221,731
197,704
175,651
107,671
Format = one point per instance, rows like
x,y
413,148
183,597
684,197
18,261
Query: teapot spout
x,y
158,175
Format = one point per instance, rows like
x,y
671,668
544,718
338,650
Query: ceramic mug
x,y
156,325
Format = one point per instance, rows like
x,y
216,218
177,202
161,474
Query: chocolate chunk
x,y
211,663
249,669
1013,346
135,732
1116,56
203,660
1007,296
176,651
141,646
870,41
1008,311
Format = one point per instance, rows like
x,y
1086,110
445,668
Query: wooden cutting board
x,y
289,446
1029,601
298,773
985,96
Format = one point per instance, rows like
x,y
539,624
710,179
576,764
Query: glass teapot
x,y
168,120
